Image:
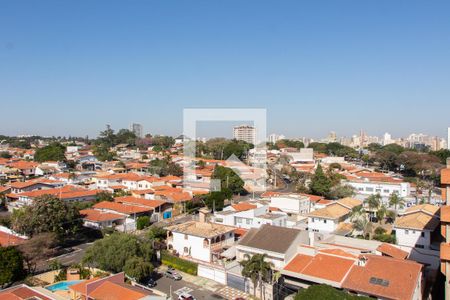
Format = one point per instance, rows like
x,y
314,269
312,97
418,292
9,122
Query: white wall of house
x,y
321,224
290,204
195,246
413,238
384,189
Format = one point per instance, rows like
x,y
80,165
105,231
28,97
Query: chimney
x,y
362,261
203,215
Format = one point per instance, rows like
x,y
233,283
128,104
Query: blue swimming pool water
x,y
62,286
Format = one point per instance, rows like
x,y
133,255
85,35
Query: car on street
x,y
186,296
170,273
150,283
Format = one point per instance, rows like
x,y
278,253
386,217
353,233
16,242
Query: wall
x,y
318,225
410,237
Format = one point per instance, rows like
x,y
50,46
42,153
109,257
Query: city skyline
x,y
335,66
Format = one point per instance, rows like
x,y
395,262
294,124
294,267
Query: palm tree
x,y
381,213
391,215
395,200
357,213
363,225
258,270
373,202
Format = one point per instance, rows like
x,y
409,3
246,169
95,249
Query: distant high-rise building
x,y
273,138
245,133
387,139
137,129
448,139
332,137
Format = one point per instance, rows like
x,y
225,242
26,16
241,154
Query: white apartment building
x,y
385,189
291,203
245,133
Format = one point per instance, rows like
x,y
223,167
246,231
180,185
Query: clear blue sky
x,y
69,67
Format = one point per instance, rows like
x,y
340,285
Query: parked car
x,y
170,273
150,283
186,296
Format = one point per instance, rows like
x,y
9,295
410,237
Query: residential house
x,y
199,240
25,292
278,243
327,219
249,215
414,228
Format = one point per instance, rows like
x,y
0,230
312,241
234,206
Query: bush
x,y
143,222
380,230
179,263
386,238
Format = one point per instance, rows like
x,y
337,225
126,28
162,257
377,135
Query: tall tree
x,y
11,265
320,184
258,270
52,152
396,201
38,249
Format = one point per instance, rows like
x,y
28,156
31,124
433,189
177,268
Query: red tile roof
x,y
385,277
392,251
122,208
139,201
243,206
94,215
7,239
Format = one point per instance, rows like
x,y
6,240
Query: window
x,y
419,246
378,190
325,221
422,234
360,189
406,231
185,236
386,191
369,189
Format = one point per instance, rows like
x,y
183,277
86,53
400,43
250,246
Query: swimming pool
x,y
62,286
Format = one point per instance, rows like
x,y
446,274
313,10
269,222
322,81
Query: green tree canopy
x,y
112,252
138,268
320,184
52,152
47,214
11,265
325,292
229,180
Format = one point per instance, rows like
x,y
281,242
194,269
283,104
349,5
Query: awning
x,y
229,253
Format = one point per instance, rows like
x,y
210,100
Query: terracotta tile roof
x,y
426,208
240,231
338,252
7,239
349,202
22,165
113,291
313,198
202,229
28,183
139,201
4,189
392,251
418,220
81,287
322,266
331,211
143,192
22,292
95,215
122,208
243,206
384,277
170,178
66,192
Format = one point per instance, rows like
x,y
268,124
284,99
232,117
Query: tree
x,y
112,252
11,265
47,214
396,201
229,180
38,249
5,154
102,152
283,143
164,167
104,196
142,222
137,268
381,213
320,184
157,233
341,191
52,152
257,269
373,202
216,200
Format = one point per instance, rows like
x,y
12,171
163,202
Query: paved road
x,y
73,257
167,285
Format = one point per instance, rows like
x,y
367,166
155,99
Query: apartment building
x,y
245,133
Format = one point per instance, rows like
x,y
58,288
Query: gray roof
x,y
272,238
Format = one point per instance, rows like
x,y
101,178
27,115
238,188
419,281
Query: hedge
x,y
179,263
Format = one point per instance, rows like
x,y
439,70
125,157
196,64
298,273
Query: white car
x,y
186,296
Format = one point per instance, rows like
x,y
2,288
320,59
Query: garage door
x,y
236,282
217,275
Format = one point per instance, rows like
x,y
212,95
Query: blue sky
x,y
70,67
